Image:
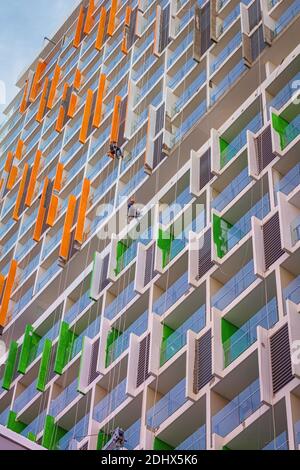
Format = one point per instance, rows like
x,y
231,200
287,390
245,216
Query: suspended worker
x,y
115,151
132,211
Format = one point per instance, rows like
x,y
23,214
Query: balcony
x,y
234,188
66,397
166,406
279,443
237,410
51,334
196,441
292,12
285,94
47,275
189,92
176,340
138,327
36,426
122,299
132,435
171,295
181,200
246,335
110,402
25,397
76,434
234,287
290,181
295,230
184,44
292,291
189,122
78,307
181,73
288,131
232,148
227,82
226,52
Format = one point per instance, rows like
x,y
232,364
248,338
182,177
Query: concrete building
x,y
185,336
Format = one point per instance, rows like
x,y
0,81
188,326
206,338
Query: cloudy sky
x,y
24,25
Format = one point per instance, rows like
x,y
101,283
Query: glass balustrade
x,y
177,339
47,275
290,181
25,397
234,287
227,82
167,405
295,230
292,291
78,307
76,434
171,295
232,190
138,327
196,441
226,52
237,410
184,44
246,335
65,398
189,92
123,298
279,443
132,435
51,334
110,402
286,17
36,426
182,73
189,122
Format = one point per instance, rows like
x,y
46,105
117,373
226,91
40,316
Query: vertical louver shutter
x,y
158,154
246,50
143,362
280,359
149,265
257,43
272,242
93,374
164,28
203,362
123,109
204,260
197,35
206,41
160,119
205,169
264,152
254,13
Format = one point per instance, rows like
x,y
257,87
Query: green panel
x,y
280,124
225,448
161,445
111,338
164,243
223,144
52,433
220,235
121,250
44,366
167,331
64,348
31,437
102,440
228,329
10,365
29,348
13,424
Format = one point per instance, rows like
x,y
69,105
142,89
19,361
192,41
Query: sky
x,y
24,24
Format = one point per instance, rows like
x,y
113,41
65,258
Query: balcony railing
x,y
279,443
286,17
171,295
237,410
36,426
120,301
292,291
234,287
227,82
295,230
177,340
110,402
66,397
122,342
196,441
25,397
77,307
289,182
133,435
225,53
232,190
167,405
246,335
76,434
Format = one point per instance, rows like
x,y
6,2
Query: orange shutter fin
x,y
53,87
12,177
101,29
40,68
7,292
78,32
114,136
52,210
89,21
69,220
112,17
42,106
41,214
58,177
19,149
79,232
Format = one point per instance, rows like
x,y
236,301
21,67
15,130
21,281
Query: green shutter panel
x,y
29,347
10,365
60,359
13,424
44,366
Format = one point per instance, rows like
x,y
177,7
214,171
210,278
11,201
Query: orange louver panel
x,y
23,104
60,119
53,87
78,32
124,43
19,149
112,17
58,177
77,80
52,210
42,106
41,214
128,16
72,105
8,162
99,101
116,120
2,282
40,68
66,236
33,178
79,232
20,193
12,177
89,21
86,116
101,29
7,292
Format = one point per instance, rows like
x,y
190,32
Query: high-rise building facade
x,y
150,230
